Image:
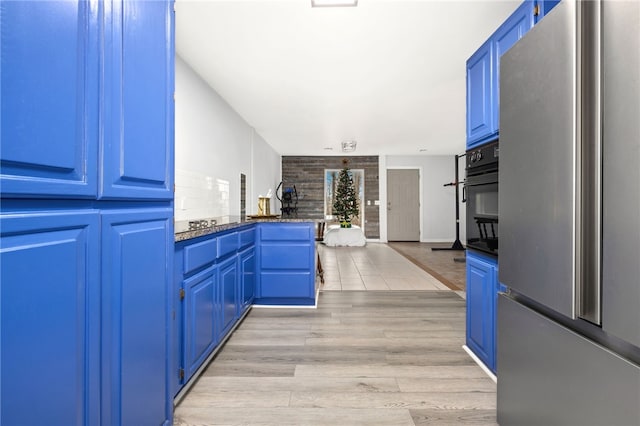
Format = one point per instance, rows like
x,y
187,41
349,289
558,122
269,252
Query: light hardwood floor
x,y
361,358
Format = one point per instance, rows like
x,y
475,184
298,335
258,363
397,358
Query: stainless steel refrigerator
x,y
568,345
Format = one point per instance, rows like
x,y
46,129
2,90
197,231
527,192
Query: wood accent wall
x,y
307,174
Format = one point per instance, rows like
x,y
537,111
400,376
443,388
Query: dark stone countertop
x,y
234,223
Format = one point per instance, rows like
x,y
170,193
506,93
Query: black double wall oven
x,y
480,193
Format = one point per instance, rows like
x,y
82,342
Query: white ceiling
x,y
387,73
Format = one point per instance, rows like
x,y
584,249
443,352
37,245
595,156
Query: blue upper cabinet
x,y
137,151
512,30
544,7
483,71
480,82
50,90
91,114
50,318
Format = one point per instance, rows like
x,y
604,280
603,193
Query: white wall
x,y
214,145
267,172
437,201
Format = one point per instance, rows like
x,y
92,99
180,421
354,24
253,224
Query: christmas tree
x,y
345,205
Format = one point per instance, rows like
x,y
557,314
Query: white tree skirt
x,y
336,236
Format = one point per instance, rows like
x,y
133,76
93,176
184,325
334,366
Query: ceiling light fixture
x,y
333,3
348,146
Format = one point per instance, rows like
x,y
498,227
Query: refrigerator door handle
x,y
589,241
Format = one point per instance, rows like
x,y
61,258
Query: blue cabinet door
x,y
50,88
136,258
483,76
480,101
544,7
228,283
199,319
247,277
137,151
50,318
512,30
481,290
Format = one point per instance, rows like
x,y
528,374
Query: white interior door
x,y
403,205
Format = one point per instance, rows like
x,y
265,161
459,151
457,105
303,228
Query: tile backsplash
x,y
200,196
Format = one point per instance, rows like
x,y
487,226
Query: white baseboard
x,y
480,363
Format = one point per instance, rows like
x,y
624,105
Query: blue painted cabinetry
x,y
286,253
137,151
136,251
196,306
480,82
208,293
50,318
50,98
217,279
482,291
86,184
229,293
544,7
199,323
483,71
247,272
111,65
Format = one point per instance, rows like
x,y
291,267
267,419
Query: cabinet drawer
x,y
247,237
285,284
199,254
227,244
287,256
286,232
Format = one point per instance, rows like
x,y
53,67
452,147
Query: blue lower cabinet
x,y
481,302
199,319
50,318
286,261
136,253
219,276
228,285
247,261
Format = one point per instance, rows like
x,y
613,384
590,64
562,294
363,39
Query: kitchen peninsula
x,y
225,267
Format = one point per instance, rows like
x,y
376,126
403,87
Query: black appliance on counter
x,y
480,193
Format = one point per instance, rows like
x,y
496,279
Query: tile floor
x,y
375,267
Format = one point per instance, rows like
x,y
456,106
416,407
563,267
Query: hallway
x,y
378,357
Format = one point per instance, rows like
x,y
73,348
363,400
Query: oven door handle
x,y
464,193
